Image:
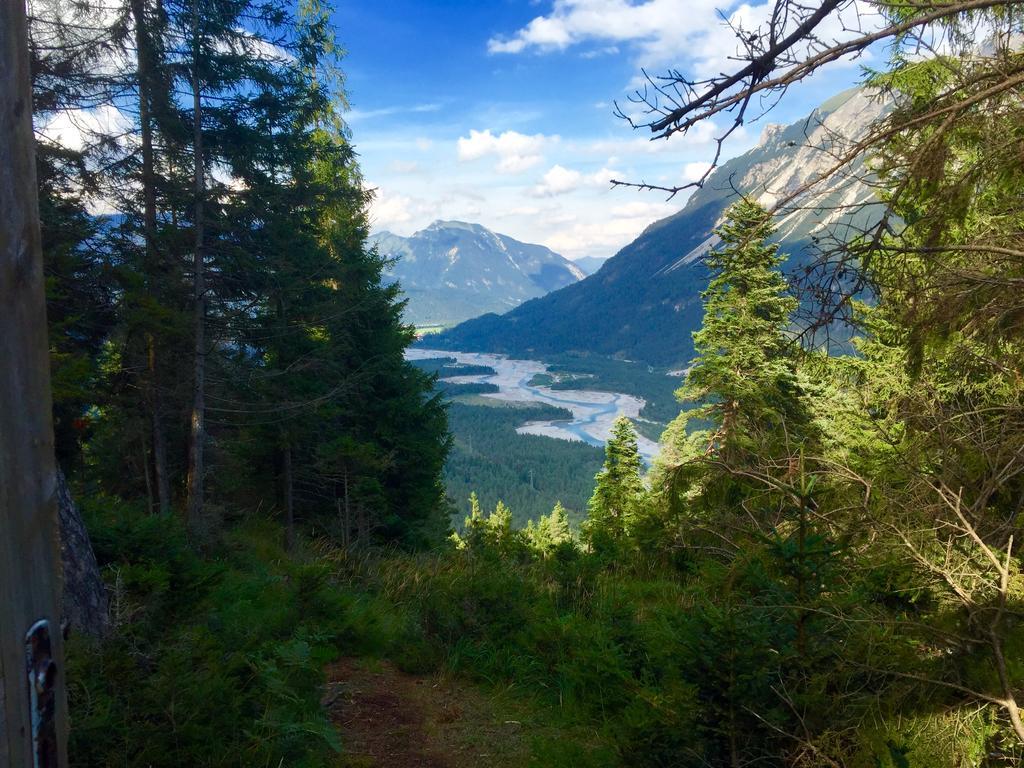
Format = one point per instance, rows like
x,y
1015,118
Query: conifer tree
x,y
550,532
238,251
619,489
744,381
474,508
744,375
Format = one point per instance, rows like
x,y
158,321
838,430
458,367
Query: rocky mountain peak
x,y
454,270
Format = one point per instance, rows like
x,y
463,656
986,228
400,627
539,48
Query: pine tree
x,y
744,375
619,491
558,531
550,532
238,253
727,478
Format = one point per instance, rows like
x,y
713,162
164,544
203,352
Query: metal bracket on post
x,y
42,680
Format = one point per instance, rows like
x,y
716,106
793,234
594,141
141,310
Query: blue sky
x,y
500,112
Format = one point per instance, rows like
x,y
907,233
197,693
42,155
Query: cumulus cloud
x,y
75,129
388,211
695,171
559,180
662,31
516,152
588,236
651,25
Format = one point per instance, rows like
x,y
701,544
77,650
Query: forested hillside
x,y
822,568
644,304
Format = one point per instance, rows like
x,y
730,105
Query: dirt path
x,y
390,719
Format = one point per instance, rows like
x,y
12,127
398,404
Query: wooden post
x,y
29,547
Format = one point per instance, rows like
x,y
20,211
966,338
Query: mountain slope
x,y
590,264
644,302
452,271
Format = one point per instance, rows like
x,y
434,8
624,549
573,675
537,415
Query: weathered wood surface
x,y
29,548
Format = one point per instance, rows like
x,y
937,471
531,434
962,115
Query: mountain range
x,y
644,303
590,264
452,271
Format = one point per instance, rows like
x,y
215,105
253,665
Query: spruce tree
x,y
744,376
550,532
619,490
750,410
248,330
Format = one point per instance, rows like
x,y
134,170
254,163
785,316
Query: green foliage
x,y
744,376
212,661
304,342
551,535
619,492
530,473
456,389
824,568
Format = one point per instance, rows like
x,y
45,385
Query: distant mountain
x,y
644,303
590,264
452,271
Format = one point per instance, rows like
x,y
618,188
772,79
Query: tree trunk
x,y
145,73
33,727
163,477
197,436
85,605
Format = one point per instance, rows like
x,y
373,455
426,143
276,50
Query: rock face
x,y
85,605
452,271
644,303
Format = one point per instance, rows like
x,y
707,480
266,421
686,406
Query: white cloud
x,y
650,24
603,235
559,180
524,210
639,209
420,203
516,152
76,129
388,211
404,166
355,115
543,31
608,50
695,171
662,31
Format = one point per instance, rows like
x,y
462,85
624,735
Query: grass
x,y
217,659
